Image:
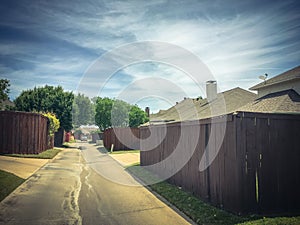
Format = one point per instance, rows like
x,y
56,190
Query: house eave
x,y
265,84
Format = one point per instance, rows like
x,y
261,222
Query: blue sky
x,y
58,42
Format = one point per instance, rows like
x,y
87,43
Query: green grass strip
x,y
8,183
124,151
48,154
197,210
275,221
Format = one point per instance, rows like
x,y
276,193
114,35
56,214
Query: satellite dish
x,y
263,77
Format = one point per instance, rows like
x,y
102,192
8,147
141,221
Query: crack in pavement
x,y
70,204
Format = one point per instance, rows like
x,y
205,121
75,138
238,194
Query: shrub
x,y
53,123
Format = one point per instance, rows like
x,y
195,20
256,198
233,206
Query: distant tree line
x,y
106,112
75,110
83,110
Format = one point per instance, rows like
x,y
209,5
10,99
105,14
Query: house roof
x,y
287,101
6,103
283,77
86,129
191,109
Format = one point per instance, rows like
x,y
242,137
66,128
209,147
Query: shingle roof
x,y
283,77
287,101
191,109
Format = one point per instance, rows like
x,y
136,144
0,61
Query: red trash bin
x,y
67,137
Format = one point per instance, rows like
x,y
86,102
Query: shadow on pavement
x,y
102,150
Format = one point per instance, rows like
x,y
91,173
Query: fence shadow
x,y
102,150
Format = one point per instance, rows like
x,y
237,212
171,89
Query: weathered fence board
x,y
95,137
123,138
257,168
23,133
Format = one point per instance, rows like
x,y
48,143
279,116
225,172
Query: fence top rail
x,y
217,119
22,113
285,116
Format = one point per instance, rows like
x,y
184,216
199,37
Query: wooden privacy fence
x,y
95,137
23,133
123,138
256,170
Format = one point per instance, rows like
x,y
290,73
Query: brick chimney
x,y
211,90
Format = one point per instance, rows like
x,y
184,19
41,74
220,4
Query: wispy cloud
x,y
55,42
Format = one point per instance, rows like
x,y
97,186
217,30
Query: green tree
x,y
120,113
117,113
103,112
137,116
48,99
83,111
4,90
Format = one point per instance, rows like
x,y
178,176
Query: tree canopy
x,y
83,110
48,99
137,116
103,112
117,113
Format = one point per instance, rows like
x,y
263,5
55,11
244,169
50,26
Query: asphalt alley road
x,y
84,187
